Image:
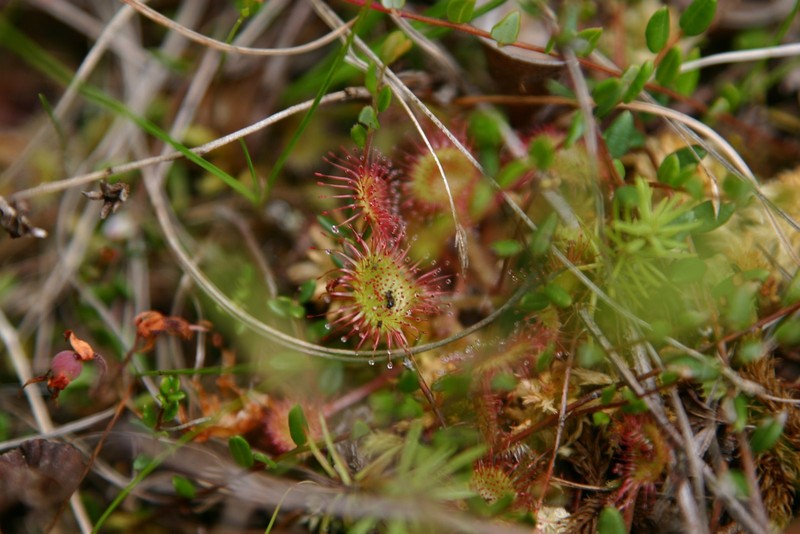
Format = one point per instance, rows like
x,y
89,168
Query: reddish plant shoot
x,y
369,186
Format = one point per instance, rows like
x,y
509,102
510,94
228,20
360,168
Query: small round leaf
x,y
657,31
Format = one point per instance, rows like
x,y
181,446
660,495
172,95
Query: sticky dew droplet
x,y
371,361
389,364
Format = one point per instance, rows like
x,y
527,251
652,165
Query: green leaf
x,y
371,78
542,152
150,415
737,189
690,155
622,135
183,487
590,355
393,4
606,95
359,135
585,41
307,290
268,462
638,83
739,409
558,295
687,270
543,236
531,302
669,170
408,382
686,82
575,131
766,435
687,366
600,418
506,31
503,382
286,308
698,16
395,45
611,522
141,462
704,213
511,172
788,332
384,99
749,351
369,118
485,128
738,480
298,425
460,11
633,404
507,247
241,452
657,32
792,292
740,311
669,67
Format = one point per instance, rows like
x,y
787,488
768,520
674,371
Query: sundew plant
x,y
399,266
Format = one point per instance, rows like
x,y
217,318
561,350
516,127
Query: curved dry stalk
x,y
461,233
88,178
741,56
236,49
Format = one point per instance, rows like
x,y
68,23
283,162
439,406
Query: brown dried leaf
x,y
151,323
83,349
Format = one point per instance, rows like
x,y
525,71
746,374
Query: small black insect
x,y
389,299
